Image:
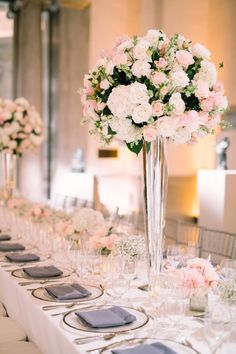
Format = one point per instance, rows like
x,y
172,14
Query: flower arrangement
x,y
153,86
91,224
227,290
197,274
131,246
21,126
39,213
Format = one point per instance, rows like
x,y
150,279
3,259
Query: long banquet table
x,y
50,333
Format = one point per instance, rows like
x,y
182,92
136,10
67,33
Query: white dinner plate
x,y
42,294
177,347
19,273
73,321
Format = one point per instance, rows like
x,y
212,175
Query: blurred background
x,y
46,47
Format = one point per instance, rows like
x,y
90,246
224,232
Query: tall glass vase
x,y
9,174
155,190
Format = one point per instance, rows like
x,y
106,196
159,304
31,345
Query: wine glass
x,y
228,268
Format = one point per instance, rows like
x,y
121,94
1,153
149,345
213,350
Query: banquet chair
x,y
189,234
171,230
18,347
218,244
10,330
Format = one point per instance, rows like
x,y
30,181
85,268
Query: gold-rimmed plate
x,y
42,294
73,321
132,343
19,273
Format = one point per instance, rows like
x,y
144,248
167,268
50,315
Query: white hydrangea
x,y
178,103
141,68
199,51
138,93
153,36
179,78
119,102
166,126
140,50
142,113
89,221
125,130
207,73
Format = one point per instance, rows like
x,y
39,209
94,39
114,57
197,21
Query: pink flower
x,y
203,116
158,108
202,90
161,63
101,106
207,104
220,101
184,58
88,86
28,128
120,41
164,90
219,87
120,58
158,78
149,133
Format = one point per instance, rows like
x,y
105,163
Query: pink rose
x,y
192,115
161,63
158,108
207,104
184,58
120,58
203,116
158,78
220,101
149,133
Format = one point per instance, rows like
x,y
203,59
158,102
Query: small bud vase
x,y
199,300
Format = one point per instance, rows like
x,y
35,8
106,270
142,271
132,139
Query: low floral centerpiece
x,y
146,91
197,277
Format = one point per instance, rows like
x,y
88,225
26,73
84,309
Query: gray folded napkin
x,y
111,317
67,292
25,257
5,237
43,272
8,247
154,348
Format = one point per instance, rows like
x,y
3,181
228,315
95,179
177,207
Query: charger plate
x,y
73,321
42,294
19,273
177,347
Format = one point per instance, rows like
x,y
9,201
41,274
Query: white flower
x,y
138,93
124,45
141,68
207,73
125,130
202,89
166,126
104,84
199,51
178,103
179,78
119,102
22,102
36,139
142,113
90,221
153,36
140,50
182,135
109,67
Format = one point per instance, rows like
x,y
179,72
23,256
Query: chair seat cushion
x,y
3,311
10,330
18,348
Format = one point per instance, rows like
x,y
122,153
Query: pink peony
x,y
218,87
157,78
149,133
207,104
184,58
161,63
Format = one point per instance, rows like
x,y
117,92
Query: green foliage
x,y
135,147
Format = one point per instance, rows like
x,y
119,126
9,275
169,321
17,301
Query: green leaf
x,y
135,40
135,147
110,131
106,111
221,65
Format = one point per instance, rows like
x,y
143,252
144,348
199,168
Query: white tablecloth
x,y
50,333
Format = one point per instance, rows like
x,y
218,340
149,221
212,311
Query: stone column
x,y
73,27
29,85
